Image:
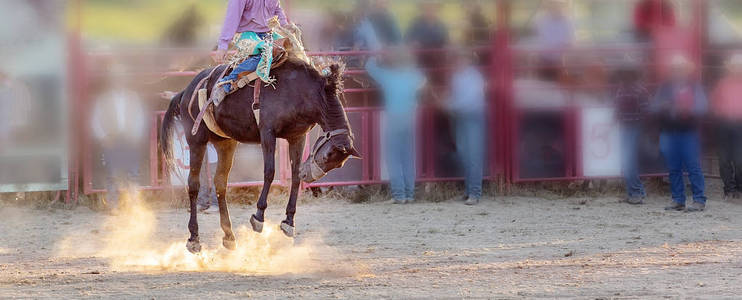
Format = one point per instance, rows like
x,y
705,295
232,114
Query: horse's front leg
x,y
225,149
268,141
197,155
296,149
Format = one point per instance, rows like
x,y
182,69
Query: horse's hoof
x,y
229,244
287,229
257,226
193,247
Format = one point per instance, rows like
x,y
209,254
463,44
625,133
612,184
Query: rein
x,y
315,169
195,92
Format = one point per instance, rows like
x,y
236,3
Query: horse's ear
x,y
354,153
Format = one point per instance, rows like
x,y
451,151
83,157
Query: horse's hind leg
x,y
225,150
194,184
296,149
268,141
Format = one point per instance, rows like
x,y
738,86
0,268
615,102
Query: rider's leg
x,y
249,65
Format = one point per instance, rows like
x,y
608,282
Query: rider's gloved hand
x,y
220,56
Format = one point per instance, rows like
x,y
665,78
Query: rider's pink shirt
x,y
249,15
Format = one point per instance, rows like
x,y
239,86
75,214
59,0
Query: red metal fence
x,y
506,119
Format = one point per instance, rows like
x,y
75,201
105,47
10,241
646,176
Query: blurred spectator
x,y
352,32
680,103
14,109
555,33
429,32
207,200
183,32
428,36
467,105
365,33
727,108
650,15
385,24
400,82
477,31
631,99
340,31
119,123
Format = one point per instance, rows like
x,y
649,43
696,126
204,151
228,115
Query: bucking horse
x,y
303,98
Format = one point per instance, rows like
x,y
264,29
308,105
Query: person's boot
x,y
675,206
695,206
635,200
472,201
218,95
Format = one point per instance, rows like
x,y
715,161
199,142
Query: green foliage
x,y
145,21
139,21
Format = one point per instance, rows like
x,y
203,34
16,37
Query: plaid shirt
x,y
632,102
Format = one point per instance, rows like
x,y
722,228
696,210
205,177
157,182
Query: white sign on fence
x,y
601,151
182,157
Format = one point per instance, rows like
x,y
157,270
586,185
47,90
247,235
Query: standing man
x,y
468,108
631,99
680,104
400,82
428,32
649,15
249,19
555,34
207,200
727,108
120,125
385,24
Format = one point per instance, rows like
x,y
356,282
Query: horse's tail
x,y
166,132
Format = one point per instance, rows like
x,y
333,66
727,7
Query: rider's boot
x,y
218,94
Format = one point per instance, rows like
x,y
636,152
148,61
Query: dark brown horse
x,y
303,99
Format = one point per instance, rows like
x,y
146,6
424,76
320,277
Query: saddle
x,y
206,105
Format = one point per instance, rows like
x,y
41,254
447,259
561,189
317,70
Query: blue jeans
x,y
630,136
249,65
682,151
207,192
729,147
400,156
470,147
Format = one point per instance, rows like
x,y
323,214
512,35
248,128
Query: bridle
x,y
315,170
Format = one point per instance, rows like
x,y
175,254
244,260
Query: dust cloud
x,y
129,242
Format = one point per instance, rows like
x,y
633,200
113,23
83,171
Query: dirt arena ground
x,y
509,247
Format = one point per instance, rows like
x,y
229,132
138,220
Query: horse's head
x,y
331,151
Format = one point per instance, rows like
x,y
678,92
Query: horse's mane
x,y
334,112
330,76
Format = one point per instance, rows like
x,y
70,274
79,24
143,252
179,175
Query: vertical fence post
x,y
502,73
76,84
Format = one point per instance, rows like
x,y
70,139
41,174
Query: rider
x,y
249,19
